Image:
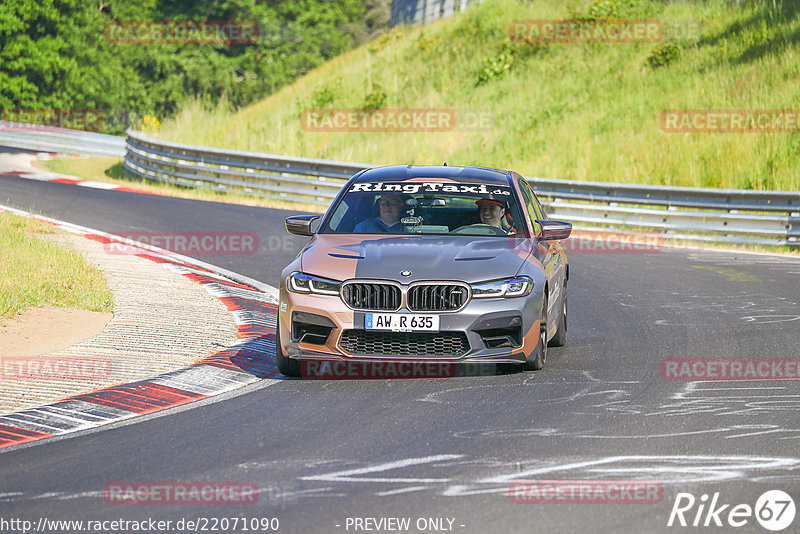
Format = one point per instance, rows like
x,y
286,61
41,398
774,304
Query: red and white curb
x,y
64,179
250,359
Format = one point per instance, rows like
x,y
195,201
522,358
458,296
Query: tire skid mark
x,y
459,475
746,306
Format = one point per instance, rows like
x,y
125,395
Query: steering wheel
x,y
479,229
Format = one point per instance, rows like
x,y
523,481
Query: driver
x,y
491,211
390,207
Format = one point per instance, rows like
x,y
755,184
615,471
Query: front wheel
x,y
536,359
287,366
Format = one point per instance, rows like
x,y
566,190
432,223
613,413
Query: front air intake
x,y
372,296
437,297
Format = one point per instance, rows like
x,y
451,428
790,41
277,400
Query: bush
x,y
498,64
663,54
322,96
603,10
375,99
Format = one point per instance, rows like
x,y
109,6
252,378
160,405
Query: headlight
x,y
511,287
306,283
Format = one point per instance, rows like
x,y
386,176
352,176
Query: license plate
x,y
401,322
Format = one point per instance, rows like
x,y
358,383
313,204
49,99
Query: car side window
x,y
539,207
535,201
531,206
339,214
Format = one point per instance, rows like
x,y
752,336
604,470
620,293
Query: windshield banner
x,y
430,187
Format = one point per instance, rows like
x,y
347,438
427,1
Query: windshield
x,y
427,207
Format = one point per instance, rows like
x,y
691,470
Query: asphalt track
x,y
325,451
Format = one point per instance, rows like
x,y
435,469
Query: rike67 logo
x,y
774,510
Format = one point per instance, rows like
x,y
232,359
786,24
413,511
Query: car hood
x,y
465,258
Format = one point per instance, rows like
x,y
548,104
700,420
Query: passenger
x,y
491,212
390,208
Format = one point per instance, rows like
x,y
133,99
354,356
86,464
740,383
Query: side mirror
x,y
554,230
301,224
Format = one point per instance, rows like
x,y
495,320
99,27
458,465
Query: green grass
x,y
573,111
36,272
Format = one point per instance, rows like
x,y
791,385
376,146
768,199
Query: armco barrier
x,y
312,181
694,214
697,214
63,140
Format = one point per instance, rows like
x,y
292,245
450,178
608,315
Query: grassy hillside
x,y
582,111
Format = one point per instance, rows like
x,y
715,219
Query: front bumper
x,y
496,330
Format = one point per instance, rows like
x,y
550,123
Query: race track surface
x,y
325,451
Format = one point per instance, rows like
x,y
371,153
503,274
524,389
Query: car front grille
x,y
436,297
404,343
371,296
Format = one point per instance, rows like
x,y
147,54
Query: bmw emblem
x,y
405,273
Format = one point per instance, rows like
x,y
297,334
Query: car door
x,y
551,254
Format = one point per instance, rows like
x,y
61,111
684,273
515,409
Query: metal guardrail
x,y
696,214
63,140
658,195
305,180
425,11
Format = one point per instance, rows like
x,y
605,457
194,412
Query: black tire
x,y
560,339
536,359
287,366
